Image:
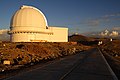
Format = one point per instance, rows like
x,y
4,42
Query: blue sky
x,y
80,16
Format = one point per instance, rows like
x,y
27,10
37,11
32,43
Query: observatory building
x,y
29,24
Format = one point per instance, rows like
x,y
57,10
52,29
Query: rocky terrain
x,y
16,55
111,51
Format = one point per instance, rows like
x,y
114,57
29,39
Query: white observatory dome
x,y
28,18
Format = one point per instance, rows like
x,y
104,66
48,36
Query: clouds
x,y
107,33
109,21
96,22
105,19
116,28
91,22
3,35
111,15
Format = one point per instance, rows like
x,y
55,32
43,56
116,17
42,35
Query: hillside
x,y
78,38
89,41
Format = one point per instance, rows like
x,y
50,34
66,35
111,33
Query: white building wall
x,y
52,34
59,34
21,37
41,38
29,37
